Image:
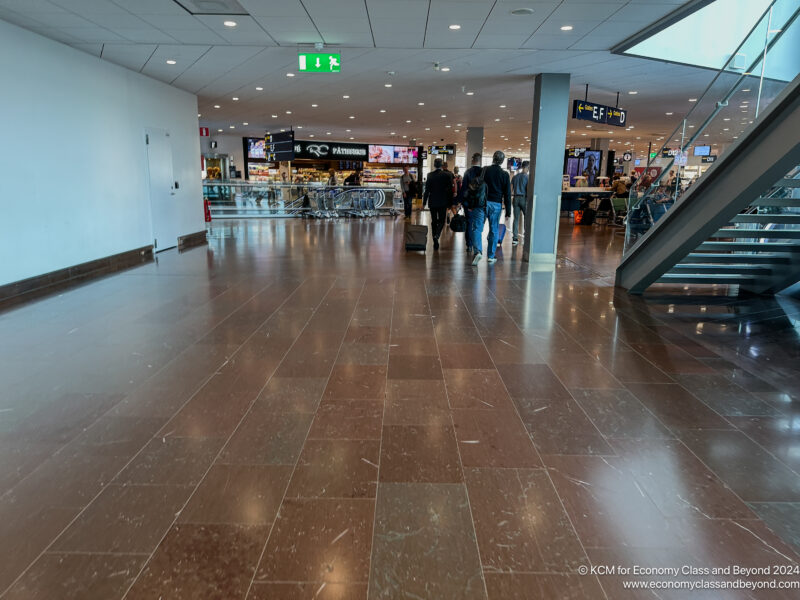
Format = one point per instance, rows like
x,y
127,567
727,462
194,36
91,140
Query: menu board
x,y
381,154
400,155
255,148
406,155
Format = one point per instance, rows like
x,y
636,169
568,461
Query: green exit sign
x,y
319,63
653,154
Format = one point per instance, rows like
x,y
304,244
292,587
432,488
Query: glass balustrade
x,y
237,199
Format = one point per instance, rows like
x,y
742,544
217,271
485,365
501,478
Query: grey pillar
x,y
548,138
474,142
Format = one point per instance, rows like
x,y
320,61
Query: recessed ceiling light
x,y
229,23
172,62
216,106
288,112
352,117
408,120
327,133
345,97
427,129
447,126
747,90
290,74
219,130
274,116
692,99
233,127
310,135
497,120
387,85
566,28
420,104
454,27
352,138
470,93
199,115
633,92
245,124
314,105
392,133
383,110
668,114
445,69
235,99
502,106
259,89
299,126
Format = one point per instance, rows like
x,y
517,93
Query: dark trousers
x,y
408,199
438,216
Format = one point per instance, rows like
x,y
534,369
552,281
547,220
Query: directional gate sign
x,y
599,113
319,63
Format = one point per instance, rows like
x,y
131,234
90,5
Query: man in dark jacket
x,y
439,197
469,174
498,195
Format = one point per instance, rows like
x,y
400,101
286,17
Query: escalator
x,y
739,223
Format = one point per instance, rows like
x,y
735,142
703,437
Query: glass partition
x,y
242,199
752,77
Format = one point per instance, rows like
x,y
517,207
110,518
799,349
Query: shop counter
x,y
572,198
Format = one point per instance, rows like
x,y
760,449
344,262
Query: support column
x,y
548,138
474,142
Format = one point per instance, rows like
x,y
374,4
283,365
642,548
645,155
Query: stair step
x,y
790,183
784,234
690,268
703,279
767,219
775,202
749,247
738,258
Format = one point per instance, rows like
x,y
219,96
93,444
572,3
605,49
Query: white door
x,y
163,210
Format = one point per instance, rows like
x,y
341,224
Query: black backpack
x,y
476,191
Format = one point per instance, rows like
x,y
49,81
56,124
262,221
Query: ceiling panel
x,y
184,56
132,56
246,32
151,7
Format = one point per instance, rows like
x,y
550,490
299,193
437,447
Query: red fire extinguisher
x,y
207,210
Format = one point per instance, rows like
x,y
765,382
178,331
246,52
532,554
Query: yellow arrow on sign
x,y
580,106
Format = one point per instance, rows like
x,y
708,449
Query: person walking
x,y
519,189
498,196
439,197
471,173
407,186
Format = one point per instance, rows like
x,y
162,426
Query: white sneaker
x,y
491,261
515,243
477,259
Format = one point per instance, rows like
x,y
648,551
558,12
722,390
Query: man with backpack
x,y
470,174
489,193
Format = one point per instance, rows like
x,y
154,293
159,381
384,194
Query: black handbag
x,y
458,224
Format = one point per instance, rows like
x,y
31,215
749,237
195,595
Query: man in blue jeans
x,y
469,174
498,194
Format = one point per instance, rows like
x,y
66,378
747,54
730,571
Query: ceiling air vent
x,y
212,7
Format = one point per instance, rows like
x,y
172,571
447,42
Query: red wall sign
x,y
204,132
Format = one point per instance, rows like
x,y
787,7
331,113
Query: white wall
x,y
74,184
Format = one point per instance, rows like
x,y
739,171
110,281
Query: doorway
x,y
163,209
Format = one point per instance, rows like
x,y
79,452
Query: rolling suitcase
x,y
416,237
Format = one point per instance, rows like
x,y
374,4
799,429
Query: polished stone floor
x,y
301,410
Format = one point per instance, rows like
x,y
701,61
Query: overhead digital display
x,y
436,150
702,150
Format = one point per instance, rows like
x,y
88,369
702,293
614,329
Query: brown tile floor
x,y
303,411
